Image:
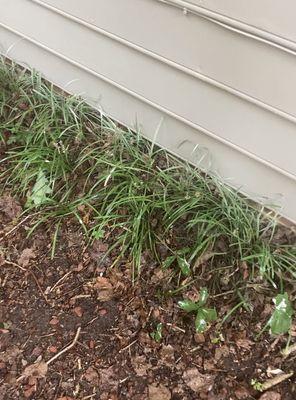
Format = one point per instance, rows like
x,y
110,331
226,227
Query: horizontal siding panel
x,y
277,17
254,68
225,116
234,166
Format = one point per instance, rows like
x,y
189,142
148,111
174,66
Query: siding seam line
x,y
242,28
204,78
153,104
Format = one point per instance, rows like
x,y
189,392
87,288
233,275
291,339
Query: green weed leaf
x,y
184,266
203,296
157,334
204,315
281,319
188,305
168,261
184,251
40,190
200,321
211,314
98,233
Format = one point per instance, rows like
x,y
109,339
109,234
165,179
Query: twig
x,y
128,346
18,225
66,348
44,365
60,280
38,285
275,381
177,328
15,265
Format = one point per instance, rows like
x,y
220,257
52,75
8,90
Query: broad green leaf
x,y
184,266
40,190
188,305
203,296
204,316
210,314
168,261
281,319
200,321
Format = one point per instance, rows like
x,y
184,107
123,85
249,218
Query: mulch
x,y
45,302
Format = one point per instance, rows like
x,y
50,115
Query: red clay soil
x,y
76,303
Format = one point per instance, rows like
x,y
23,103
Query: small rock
x,y
78,311
199,338
54,321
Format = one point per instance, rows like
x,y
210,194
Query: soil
x,y
46,301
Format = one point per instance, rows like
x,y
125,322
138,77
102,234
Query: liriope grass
x,y
131,189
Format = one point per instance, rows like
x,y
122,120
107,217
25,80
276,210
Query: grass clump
x,y
66,159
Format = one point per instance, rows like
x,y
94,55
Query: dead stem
x,y
275,381
60,280
18,225
128,346
287,351
66,348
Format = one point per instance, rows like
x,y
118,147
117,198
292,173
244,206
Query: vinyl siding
x,y
203,82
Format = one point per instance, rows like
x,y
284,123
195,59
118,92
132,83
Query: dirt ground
x,y
104,323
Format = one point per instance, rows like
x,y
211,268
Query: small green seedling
x,y
203,315
183,264
257,385
218,339
157,334
281,319
98,233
